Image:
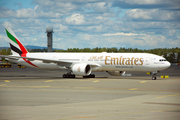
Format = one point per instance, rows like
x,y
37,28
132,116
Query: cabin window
x,y
162,60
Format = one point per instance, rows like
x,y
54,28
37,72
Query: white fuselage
x,y
105,61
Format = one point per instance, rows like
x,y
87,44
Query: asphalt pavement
x,y
31,94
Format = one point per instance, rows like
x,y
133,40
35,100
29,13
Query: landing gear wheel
x,y
69,76
89,76
92,76
72,76
85,77
64,76
153,78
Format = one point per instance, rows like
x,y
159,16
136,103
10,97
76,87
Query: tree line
x,y
168,53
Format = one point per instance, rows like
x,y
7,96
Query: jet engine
x,y
116,73
81,69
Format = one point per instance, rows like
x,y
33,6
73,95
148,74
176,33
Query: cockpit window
x,y
162,60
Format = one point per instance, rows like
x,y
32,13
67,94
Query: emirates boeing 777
x,y
84,63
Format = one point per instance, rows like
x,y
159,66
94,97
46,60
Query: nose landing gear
x,y
154,75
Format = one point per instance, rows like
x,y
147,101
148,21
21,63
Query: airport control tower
x,y
49,31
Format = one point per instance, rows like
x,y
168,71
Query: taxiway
x,y
30,94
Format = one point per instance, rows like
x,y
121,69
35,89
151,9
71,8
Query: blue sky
x,y
143,24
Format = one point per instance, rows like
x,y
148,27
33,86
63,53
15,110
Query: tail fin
x,y
15,44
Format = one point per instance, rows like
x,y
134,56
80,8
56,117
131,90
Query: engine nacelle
x,y
81,69
116,73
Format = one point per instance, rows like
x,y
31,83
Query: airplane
x,y
84,64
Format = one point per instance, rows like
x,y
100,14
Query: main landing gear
x,y
69,75
89,76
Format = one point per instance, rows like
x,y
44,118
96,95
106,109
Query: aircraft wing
x,y
59,62
32,59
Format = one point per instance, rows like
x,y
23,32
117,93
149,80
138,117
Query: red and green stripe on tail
x,y
16,41
17,46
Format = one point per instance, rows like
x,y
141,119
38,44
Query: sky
x,y
142,24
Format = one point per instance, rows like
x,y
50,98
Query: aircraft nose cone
x,y
165,65
168,64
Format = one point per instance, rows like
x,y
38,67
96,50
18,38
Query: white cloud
x,y
55,20
145,1
34,39
3,41
172,32
154,41
86,37
75,19
147,4
7,24
59,27
153,14
37,12
99,7
125,34
138,14
57,6
92,23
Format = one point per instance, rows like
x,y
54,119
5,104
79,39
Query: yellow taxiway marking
x,y
1,85
133,89
143,81
168,95
48,80
96,81
6,81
